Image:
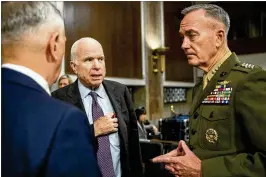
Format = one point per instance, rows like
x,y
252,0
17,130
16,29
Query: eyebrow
x,y
188,32
88,58
92,58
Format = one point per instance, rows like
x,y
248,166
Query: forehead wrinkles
x,y
184,26
93,51
194,20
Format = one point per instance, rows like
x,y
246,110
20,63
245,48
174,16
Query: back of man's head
x,y
33,36
21,20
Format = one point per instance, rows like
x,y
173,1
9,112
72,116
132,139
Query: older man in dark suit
x,y
41,136
109,109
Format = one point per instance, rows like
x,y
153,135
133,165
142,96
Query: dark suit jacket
x,y
229,138
128,130
42,136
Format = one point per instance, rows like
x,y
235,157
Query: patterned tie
x,y
104,153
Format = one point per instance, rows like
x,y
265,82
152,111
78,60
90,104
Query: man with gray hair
x,y
227,116
41,136
109,108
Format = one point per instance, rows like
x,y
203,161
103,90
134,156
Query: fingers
x,y
165,159
105,125
109,115
172,153
169,168
112,122
157,159
184,147
115,124
115,120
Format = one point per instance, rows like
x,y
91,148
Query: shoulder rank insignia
x,y
211,135
247,65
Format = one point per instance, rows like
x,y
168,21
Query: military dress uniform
x,y
228,121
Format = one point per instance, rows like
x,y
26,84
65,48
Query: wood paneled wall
x,y
116,25
177,67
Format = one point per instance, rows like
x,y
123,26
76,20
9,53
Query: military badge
x,y
220,95
211,135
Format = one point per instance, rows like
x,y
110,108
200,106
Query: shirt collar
x,y
84,91
30,73
213,70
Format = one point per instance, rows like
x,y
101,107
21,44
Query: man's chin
x,y
193,62
96,83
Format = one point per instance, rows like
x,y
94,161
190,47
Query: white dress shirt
x,y
30,73
106,106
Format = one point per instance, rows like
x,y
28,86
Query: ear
x,y
220,37
73,66
54,46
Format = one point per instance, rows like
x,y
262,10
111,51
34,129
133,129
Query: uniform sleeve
x,y
71,152
250,107
134,146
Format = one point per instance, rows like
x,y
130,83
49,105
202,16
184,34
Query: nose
x,y
96,64
185,43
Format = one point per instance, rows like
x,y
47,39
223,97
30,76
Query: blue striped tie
x,y
103,153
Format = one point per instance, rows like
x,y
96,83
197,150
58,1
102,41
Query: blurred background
x,y
131,32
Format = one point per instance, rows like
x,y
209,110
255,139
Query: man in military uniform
x,y
228,113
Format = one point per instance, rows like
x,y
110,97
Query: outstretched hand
x,y
181,162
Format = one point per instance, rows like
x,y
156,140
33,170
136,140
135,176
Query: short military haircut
x,y
20,18
212,11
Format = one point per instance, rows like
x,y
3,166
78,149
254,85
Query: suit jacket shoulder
x,y
70,94
37,129
113,84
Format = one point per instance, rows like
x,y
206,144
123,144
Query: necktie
x,y
104,153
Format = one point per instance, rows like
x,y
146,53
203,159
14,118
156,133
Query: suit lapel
x,y
221,74
74,96
115,98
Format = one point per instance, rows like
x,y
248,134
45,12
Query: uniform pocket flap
x,y
214,114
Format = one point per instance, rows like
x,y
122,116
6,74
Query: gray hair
x,y
212,11
21,18
74,51
74,47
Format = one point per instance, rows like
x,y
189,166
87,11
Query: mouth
x,y
96,76
189,55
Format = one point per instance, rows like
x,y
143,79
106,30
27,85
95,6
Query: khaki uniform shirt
x,y
207,77
228,121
